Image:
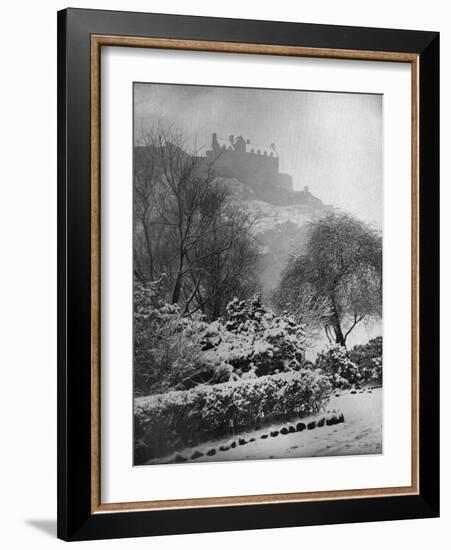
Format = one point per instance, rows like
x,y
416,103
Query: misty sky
x,y
331,142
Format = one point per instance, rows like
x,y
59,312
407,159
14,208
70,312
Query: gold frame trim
x,y
97,41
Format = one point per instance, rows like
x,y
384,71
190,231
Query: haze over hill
x,y
329,142
279,230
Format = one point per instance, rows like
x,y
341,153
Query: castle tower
x,y
240,145
214,142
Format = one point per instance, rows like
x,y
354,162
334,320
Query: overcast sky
x,y
331,142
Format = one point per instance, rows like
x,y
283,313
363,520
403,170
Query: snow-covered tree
x,y
340,267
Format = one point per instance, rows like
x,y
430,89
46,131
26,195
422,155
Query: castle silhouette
x,y
258,167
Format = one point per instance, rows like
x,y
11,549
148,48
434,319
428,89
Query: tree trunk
x,y
177,288
339,336
178,279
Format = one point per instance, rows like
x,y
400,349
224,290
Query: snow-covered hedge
x,y
176,419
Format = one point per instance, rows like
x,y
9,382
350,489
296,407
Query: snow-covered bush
x,y
168,347
368,358
175,419
335,363
173,351
256,342
242,314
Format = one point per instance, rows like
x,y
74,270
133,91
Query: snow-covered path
x,y
361,433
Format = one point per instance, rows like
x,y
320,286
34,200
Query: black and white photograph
x,y
257,240
224,275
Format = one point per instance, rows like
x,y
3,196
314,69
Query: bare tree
x,y
228,263
341,267
186,226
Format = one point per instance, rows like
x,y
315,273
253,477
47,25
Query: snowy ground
x,y
361,433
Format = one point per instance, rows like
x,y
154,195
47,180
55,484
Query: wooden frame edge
x,y
255,499
262,49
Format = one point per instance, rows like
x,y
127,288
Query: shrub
x,y
177,352
167,346
368,358
257,342
168,421
335,363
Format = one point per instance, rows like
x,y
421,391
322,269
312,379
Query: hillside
x,y
280,230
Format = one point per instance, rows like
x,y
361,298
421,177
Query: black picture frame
x,y
76,520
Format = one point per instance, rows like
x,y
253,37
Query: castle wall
x,y
250,168
258,168
285,181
